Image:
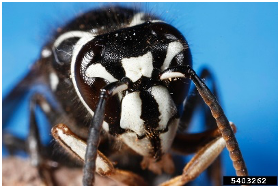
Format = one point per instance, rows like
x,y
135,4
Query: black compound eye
x,y
64,48
88,61
90,53
63,51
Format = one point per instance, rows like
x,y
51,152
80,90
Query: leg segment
x,y
104,167
13,144
199,143
217,113
40,155
195,141
209,145
204,157
34,145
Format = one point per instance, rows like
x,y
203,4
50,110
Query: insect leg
x,y
104,167
217,113
195,140
95,128
10,105
41,156
34,145
202,159
13,144
16,96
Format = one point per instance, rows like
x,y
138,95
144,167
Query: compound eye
x,y
63,51
88,73
89,59
92,52
63,48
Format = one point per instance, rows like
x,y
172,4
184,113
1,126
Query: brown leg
x,y
194,141
204,157
77,147
208,145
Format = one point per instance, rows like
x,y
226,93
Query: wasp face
x,y
145,116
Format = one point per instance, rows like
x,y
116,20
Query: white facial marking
x,y
137,19
131,112
97,70
135,67
141,146
120,89
46,53
53,81
173,49
85,38
170,75
166,105
167,137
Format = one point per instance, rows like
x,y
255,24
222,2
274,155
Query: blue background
x,y
237,41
